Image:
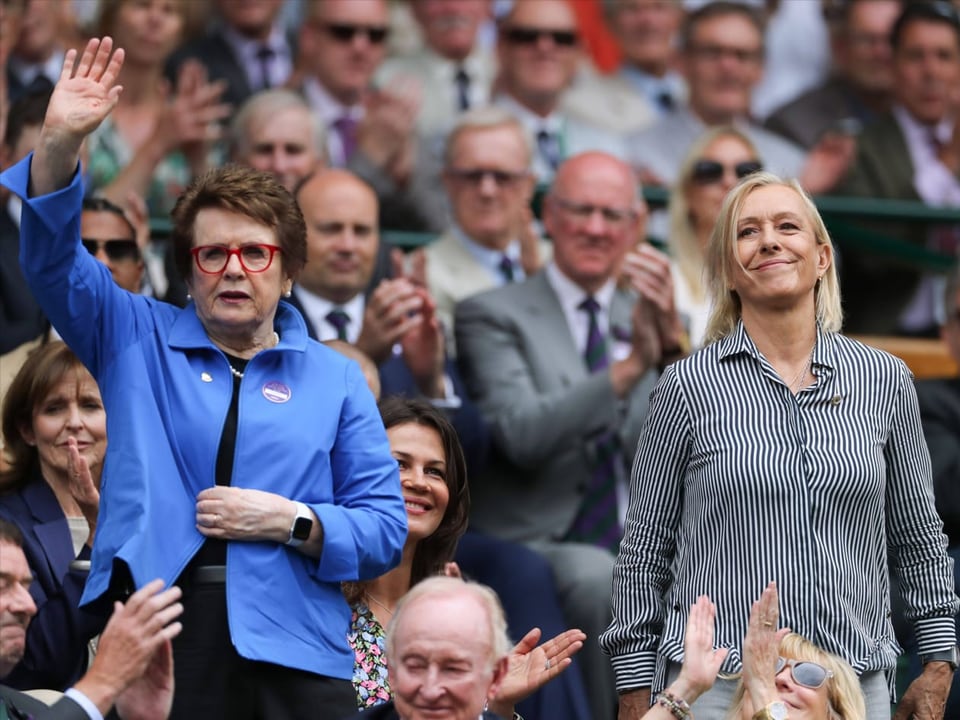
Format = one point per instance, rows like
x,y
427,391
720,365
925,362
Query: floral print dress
x,y
367,637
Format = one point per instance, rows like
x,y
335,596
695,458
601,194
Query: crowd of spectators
x,y
520,296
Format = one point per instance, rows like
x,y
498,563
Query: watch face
x,y
301,528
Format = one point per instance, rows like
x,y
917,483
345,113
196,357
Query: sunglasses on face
x,y
116,249
476,176
706,172
345,32
806,673
531,36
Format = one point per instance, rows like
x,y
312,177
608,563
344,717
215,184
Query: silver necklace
x,y
798,380
239,375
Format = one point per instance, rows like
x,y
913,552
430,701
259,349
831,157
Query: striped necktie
x,y
597,520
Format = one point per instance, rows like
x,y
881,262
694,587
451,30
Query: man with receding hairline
x,y
561,366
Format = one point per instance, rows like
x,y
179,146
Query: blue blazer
x,y
56,652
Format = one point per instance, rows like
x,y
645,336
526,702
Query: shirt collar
x,y
325,105
247,48
317,308
488,257
26,72
739,342
530,120
571,295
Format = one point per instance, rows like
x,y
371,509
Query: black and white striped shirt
x,y
736,482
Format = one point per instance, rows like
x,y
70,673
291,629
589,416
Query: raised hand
x,y
84,95
761,648
701,661
531,666
393,309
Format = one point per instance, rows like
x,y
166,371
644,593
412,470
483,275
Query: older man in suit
x,y
910,153
134,663
562,365
488,181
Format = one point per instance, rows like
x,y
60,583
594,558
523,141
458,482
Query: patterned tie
x,y
346,128
463,89
507,269
597,521
265,55
339,320
548,147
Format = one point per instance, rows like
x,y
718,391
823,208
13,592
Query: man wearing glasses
x,y
110,237
369,131
488,181
562,365
538,49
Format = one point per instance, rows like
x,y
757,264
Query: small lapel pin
x,y
205,376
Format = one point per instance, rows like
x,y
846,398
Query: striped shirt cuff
x,y
935,634
634,670
83,701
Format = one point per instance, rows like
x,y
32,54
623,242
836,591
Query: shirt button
x,y
835,400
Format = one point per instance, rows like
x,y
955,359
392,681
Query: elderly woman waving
x,y
782,451
246,462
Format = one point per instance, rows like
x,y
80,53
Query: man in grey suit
x,y
133,667
562,365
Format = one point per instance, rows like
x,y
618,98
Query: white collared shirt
x,y
933,181
246,49
490,259
316,309
26,72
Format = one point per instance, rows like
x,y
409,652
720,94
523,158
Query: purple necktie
x,y
339,320
346,128
507,269
597,521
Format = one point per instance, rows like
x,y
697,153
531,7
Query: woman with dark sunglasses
x,y
719,159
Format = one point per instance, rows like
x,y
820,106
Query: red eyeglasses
x,y
254,258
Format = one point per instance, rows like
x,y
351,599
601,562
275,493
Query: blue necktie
x,y
597,521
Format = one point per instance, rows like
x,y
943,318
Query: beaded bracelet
x,y
678,707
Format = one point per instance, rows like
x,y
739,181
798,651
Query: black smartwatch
x,y
951,656
302,525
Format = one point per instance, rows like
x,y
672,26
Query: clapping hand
x,y
761,648
701,661
82,486
531,666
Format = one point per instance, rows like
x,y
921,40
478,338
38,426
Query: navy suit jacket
x,y
396,379
940,412
56,647
21,318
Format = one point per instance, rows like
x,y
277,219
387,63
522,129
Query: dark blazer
x,y
396,379
21,318
217,56
940,412
876,289
56,647
805,119
28,708
386,711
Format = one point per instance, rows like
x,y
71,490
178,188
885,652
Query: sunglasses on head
x,y
531,36
706,172
806,673
116,249
345,32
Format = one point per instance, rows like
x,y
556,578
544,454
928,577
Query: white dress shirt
x,y
316,309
